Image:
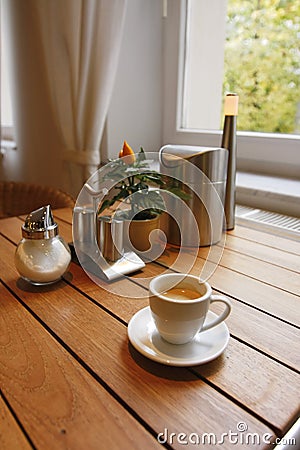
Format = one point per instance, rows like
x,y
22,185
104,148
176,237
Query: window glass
x,y
247,47
6,108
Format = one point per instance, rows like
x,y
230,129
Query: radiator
x,y
279,223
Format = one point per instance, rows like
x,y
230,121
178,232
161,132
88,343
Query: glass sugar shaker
x,y
42,256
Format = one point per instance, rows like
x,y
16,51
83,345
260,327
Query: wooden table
x,y
70,379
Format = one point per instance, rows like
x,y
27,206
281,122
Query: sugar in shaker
x,y
42,256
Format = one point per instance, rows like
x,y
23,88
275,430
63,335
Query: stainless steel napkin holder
x,y
202,173
108,260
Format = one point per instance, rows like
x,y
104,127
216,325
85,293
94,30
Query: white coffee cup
x,y
179,304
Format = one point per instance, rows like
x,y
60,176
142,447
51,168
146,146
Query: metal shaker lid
x,y
39,224
212,161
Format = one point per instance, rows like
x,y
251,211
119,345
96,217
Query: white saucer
x,y
205,347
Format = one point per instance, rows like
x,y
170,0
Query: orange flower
x,y
127,151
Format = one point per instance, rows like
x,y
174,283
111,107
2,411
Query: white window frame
x,y
7,130
275,154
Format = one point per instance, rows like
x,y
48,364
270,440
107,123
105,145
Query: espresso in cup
x,y
181,294
179,304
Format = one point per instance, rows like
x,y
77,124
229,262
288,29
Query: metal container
x,y
42,256
229,142
110,237
84,217
201,172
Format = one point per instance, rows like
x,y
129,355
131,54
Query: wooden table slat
x,y
262,236
266,272
67,320
104,337
289,261
11,435
246,323
45,335
259,294
64,214
56,400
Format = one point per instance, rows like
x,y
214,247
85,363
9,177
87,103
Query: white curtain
x,y
80,42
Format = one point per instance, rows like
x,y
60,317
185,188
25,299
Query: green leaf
x,y
179,193
154,179
149,200
109,202
104,205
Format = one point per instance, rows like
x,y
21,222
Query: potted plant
x,y
137,188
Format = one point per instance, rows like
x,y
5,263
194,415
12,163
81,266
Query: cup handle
x,y
221,317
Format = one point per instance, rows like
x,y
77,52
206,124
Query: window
x,y
6,107
193,103
262,61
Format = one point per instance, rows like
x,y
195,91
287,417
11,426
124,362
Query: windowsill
x,y
8,144
268,192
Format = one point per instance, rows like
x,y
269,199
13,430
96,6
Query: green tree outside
x,y
262,63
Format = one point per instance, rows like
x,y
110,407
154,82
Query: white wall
x,y
135,113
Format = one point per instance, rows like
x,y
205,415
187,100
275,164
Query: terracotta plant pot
x,y
139,232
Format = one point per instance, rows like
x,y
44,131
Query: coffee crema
x,y
181,294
